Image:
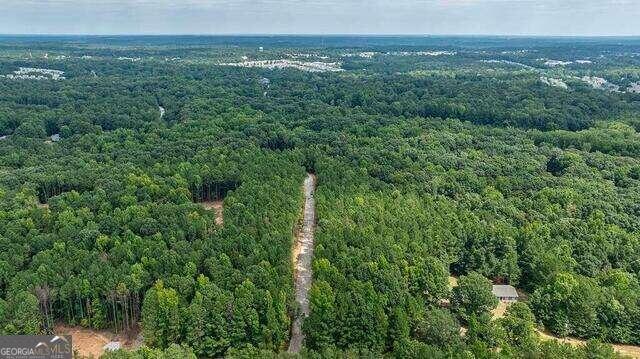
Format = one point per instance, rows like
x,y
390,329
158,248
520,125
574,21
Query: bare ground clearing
x,y
89,343
499,311
302,256
218,208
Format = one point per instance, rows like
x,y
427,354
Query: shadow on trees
x,y
46,190
213,190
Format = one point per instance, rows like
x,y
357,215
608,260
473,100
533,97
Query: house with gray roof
x,y
505,293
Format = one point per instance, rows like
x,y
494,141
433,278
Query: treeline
x,y
107,95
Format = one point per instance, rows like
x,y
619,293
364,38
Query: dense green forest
x,y
435,157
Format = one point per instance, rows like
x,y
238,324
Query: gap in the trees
x,y
278,143
48,190
211,196
92,343
310,165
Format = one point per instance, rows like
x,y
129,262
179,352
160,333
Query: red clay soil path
x,y
302,257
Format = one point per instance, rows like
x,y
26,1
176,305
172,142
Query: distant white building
x,y
505,293
554,63
554,82
31,73
132,59
634,87
599,83
283,63
55,137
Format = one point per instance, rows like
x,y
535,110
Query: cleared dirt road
x,y
302,257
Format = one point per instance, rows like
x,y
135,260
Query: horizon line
x,y
317,34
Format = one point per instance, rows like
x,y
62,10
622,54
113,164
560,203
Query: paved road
x,y
303,255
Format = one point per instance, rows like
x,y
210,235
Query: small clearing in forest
x,y
41,205
499,311
90,343
453,282
218,208
87,342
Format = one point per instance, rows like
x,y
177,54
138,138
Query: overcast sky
x,y
499,17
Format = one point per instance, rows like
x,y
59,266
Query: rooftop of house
x,y
502,291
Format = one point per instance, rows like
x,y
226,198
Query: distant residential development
x,y
282,64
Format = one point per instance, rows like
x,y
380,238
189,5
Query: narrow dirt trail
x,y
302,258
